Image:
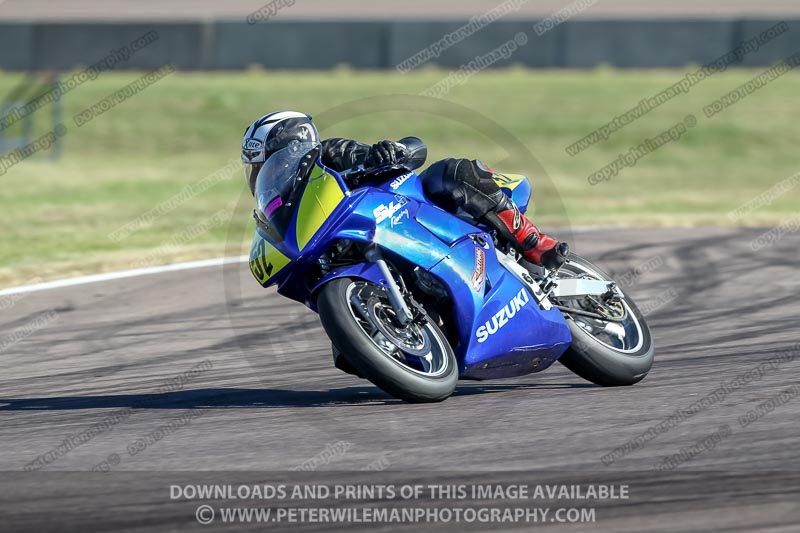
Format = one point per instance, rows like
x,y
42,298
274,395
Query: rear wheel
x,y
613,348
414,362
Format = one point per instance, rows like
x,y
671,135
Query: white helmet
x,y
271,133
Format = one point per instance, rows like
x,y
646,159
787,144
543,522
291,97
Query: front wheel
x,y
612,348
414,363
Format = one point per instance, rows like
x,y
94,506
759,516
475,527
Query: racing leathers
x,y
457,183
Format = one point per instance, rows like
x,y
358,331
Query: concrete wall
x,y
382,45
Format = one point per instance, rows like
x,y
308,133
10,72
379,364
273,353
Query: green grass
x,y
56,217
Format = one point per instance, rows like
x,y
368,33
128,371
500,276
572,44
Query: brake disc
x,y
410,339
612,309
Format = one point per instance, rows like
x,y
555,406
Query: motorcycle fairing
x,y
517,336
321,196
517,187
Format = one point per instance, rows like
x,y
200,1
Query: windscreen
x,y
277,180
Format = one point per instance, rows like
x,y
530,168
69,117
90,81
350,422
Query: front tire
x,y
415,364
621,358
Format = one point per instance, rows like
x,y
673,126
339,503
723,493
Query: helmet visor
x,y
250,173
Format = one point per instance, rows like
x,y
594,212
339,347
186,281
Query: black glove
x,y
385,153
555,256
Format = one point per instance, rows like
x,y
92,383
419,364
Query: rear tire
x,y
389,373
598,362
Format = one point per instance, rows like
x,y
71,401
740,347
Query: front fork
x,y
403,313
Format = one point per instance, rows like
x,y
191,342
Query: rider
x,y
451,183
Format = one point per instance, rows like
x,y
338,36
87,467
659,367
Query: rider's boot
x,y
536,247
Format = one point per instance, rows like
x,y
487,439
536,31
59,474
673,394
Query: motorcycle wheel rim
x,y
366,303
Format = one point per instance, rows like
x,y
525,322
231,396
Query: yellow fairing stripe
x,y
320,198
265,259
509,181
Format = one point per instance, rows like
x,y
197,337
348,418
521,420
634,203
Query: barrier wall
x,y
382,45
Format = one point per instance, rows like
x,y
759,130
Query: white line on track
x,y
110,276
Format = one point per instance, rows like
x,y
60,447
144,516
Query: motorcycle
x,y
414,298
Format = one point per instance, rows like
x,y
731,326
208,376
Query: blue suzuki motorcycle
x,y
414,298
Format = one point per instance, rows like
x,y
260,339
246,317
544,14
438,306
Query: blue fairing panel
x,y
498,328
501,329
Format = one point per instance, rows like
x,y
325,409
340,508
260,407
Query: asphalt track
x,y
243,383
